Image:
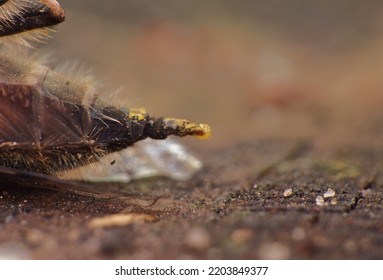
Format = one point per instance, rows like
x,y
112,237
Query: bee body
x,y
52,122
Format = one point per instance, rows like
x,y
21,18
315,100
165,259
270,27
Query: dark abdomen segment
x,y
43,133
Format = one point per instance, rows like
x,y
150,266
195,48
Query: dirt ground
x,y
293,93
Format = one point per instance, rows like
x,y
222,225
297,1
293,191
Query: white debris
x,y
288,192
334,201
329,193
319,201
146,159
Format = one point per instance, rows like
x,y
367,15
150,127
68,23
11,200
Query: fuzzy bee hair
x,y
50,122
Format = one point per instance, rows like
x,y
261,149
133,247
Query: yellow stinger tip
x,y
181,128
201,131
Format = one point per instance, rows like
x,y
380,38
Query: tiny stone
x,y
366,193
288,192
319,201
334,201
329,193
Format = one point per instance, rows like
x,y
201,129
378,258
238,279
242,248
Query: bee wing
x,y
11,177
22,178
103,179
145,159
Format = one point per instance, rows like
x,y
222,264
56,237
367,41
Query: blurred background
x,y
251,69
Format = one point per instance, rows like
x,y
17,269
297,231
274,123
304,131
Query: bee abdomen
x,y
51,122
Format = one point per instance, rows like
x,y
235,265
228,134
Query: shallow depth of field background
x,y
251,69
293,93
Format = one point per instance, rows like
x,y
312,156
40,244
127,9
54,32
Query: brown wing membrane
x,y
32,125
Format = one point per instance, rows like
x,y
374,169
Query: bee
x,y
50,122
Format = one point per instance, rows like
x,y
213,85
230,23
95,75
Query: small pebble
x,y
319,201
334,201
366,193
288,192
329,193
